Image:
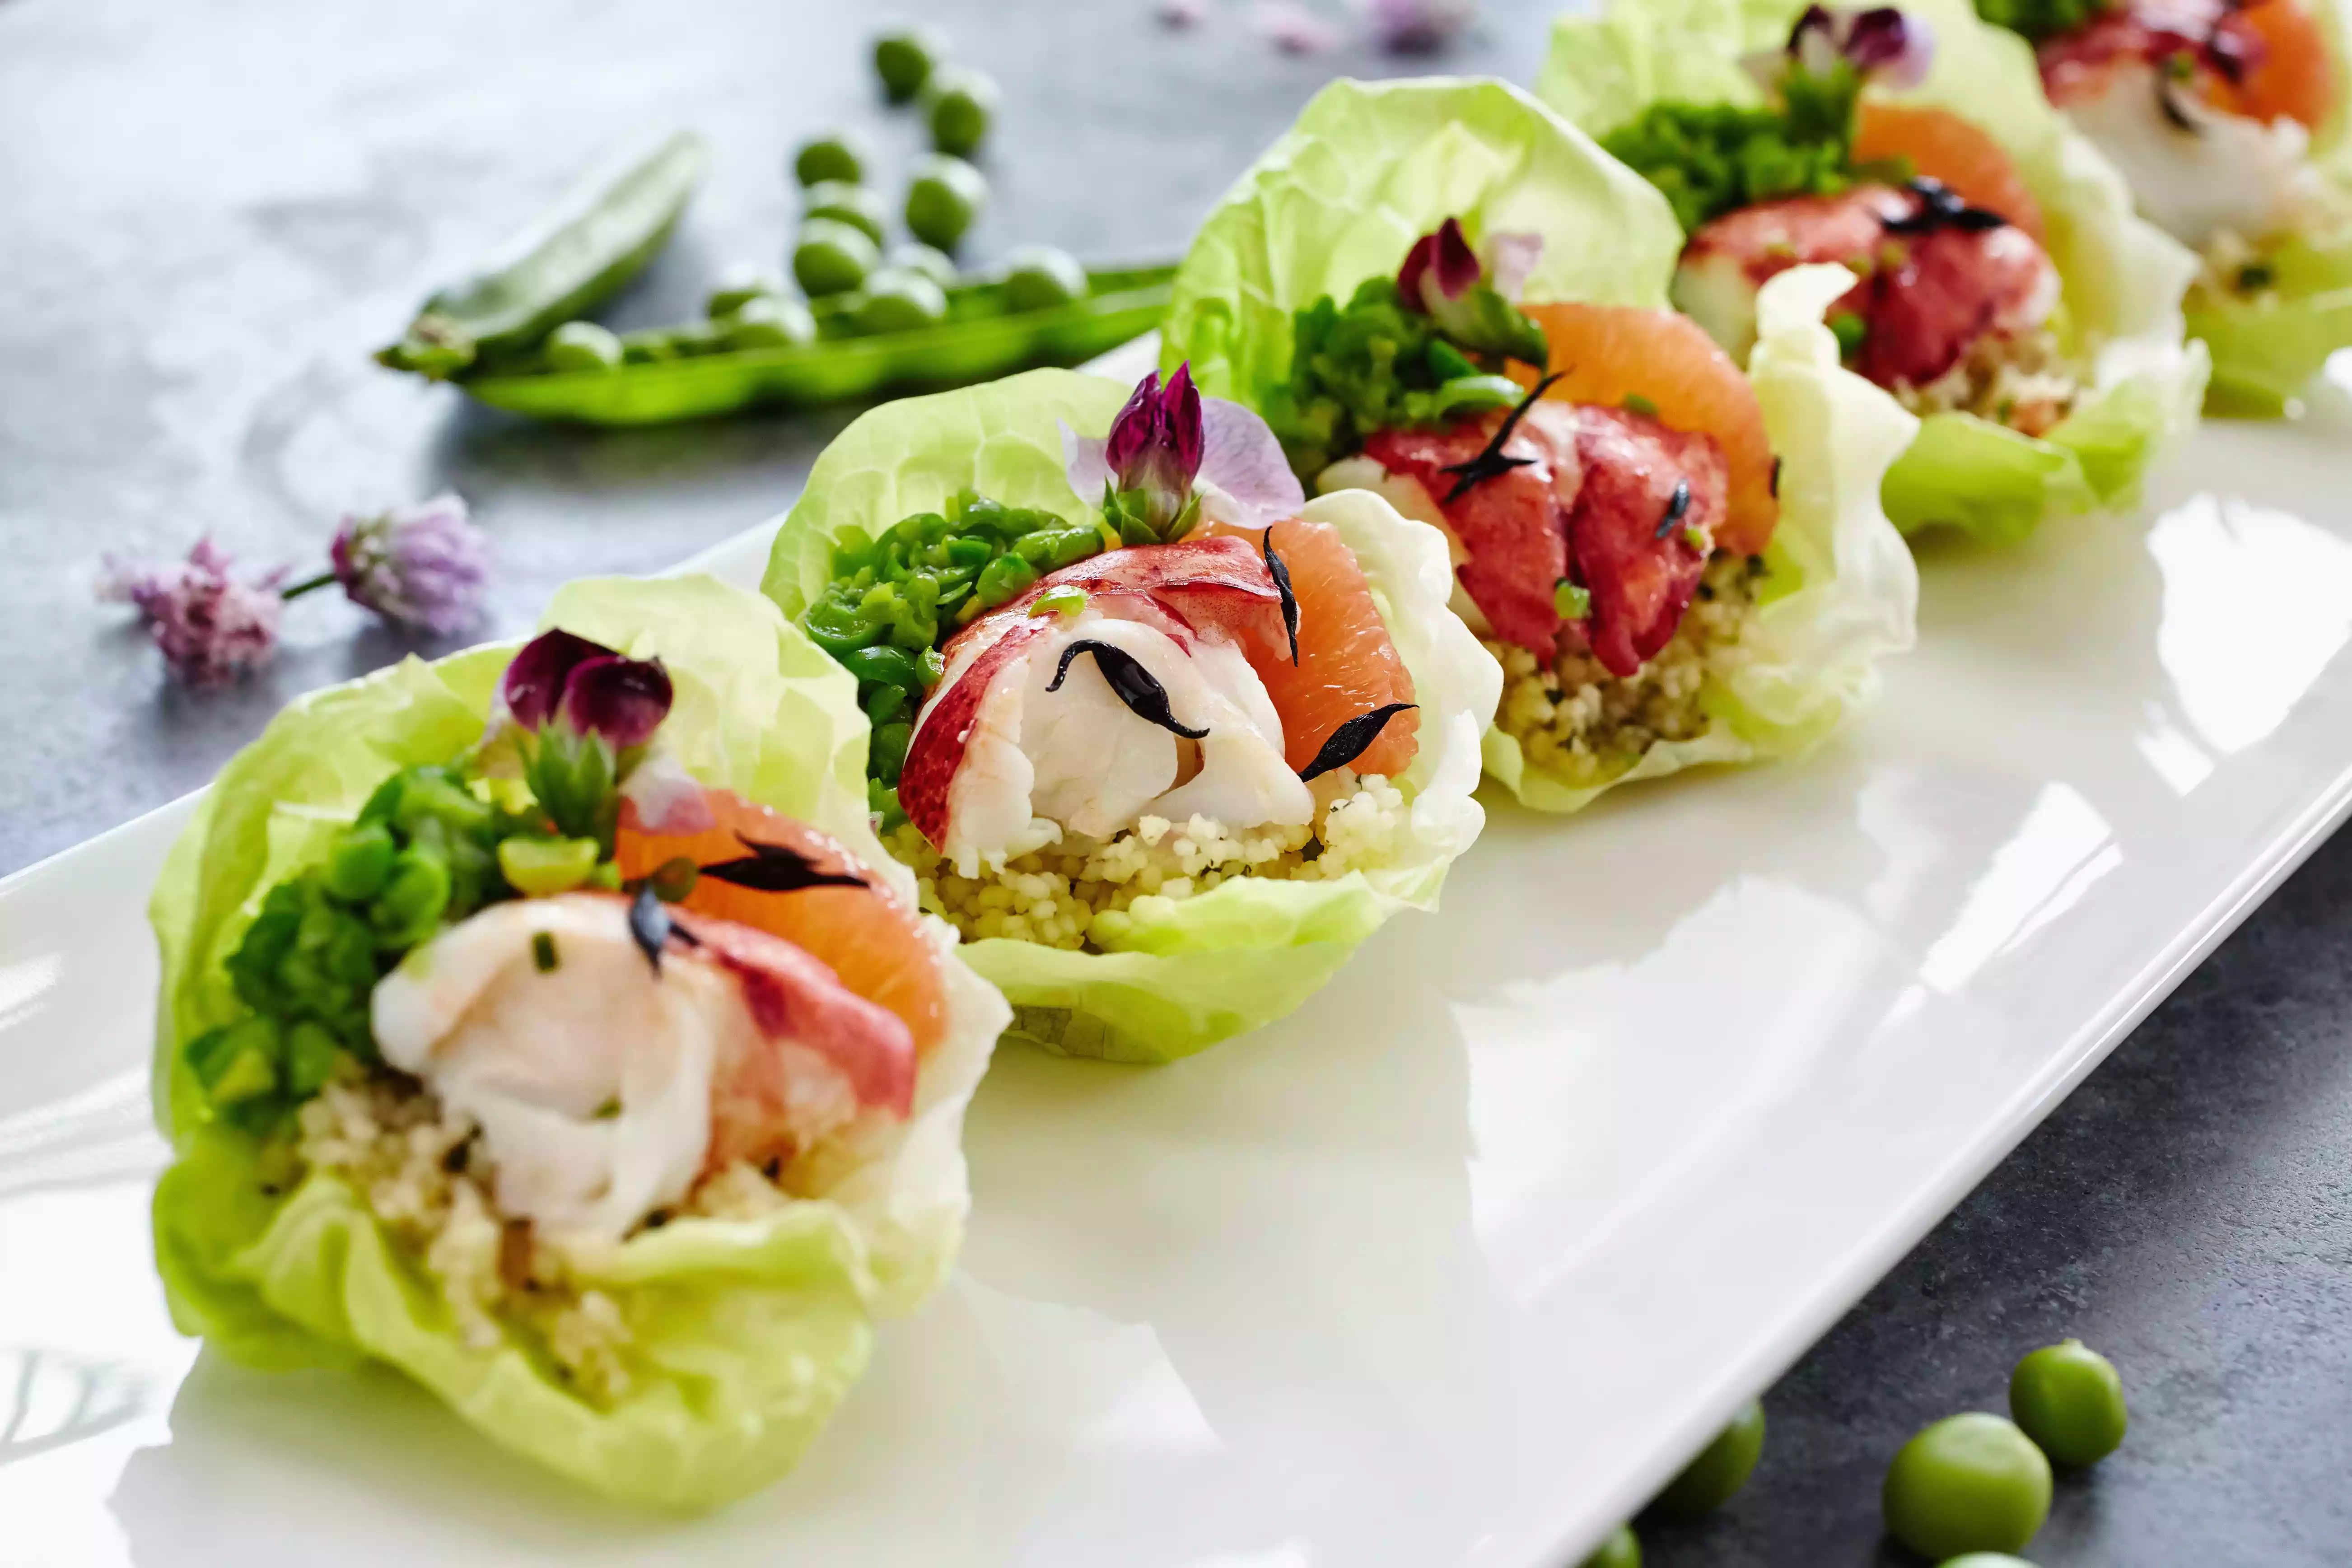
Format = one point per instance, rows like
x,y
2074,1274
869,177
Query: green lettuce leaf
x,y
1195,971
1371,166
746,1334
2267,348
2122,278
1845,593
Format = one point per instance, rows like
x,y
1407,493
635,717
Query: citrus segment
x,y
2293,75
1940,145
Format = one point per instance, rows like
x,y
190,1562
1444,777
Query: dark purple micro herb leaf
x,y
1350,740
533,684
1941,207
1677,507
1491,463
1281,575
1439,268
649,924
1134,685
777,868
622,699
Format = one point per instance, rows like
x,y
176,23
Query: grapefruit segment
x,y
866,935
1348,664
1605,354
2292,71
1940,145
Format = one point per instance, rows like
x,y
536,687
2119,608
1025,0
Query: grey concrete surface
x,y
212,213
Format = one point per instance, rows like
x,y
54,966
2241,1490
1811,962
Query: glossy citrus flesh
x,y
866,935
1348,664
1609,354
1942,147
2293,72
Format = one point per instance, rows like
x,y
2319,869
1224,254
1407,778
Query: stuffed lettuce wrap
x,y
546,1023
2005,290
2228,118
1162,738
1441,292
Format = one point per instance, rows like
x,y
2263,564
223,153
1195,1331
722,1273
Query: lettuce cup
x,y
1441,293
1162,738
2228,117
2006,292
545,1023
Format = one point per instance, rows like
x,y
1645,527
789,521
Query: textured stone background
x,y
213,212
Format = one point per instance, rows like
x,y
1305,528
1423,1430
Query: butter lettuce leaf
x,y
745,1334
1189,972
2122,278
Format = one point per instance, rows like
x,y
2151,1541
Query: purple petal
x,y
1179,406
1511,259
1136,425
668,799
534,681
1418,27
1241,460
1439,268
1813,41
1293,29
1896,48
622,700
1086,460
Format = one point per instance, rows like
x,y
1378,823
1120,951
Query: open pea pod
x,y
979,340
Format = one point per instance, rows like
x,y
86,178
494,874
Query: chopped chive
x,y
543,952
1573,600
1066,600
1637,404
609,1110
1696,537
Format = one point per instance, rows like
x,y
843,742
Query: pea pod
x,y
571,259
679,376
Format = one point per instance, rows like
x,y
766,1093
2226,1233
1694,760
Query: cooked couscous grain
x,y
2024,383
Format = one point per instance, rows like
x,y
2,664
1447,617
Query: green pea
x,y
769,323
1004,578
958,104
581,345
889,666
832,257
410,906
311,1053
1972,1482
2070,1400
1038,276
935,265
946,195
899,301
1620,1548
361,863
836,155
739,287
1720,1470
537,868
903,58
842,203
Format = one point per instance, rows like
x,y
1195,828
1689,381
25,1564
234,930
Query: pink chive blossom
x,y
210,628
1419,26
422,566
1294,28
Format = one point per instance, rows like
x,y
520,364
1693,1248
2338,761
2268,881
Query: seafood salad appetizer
x,y
546,1023
2004,290
2227,117
1442,294
1162,738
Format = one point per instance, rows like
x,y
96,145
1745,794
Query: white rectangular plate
x,y
1454,1266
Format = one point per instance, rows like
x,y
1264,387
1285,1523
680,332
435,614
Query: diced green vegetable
x,y
540,867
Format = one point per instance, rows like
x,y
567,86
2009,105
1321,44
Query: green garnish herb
x,y
609,1110
1696,538
543,952
1063,601
2041,19
2256,276
1714,158
1572,600
894,600
1850,330
1372,365
1637,404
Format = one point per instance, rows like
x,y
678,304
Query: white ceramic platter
x,y
1454,1266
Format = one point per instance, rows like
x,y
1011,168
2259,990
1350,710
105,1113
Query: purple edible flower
x,y
1419,26
1440,270
1881,43
210,628
425,566
1293,29
589,687
1170,450
1183,12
